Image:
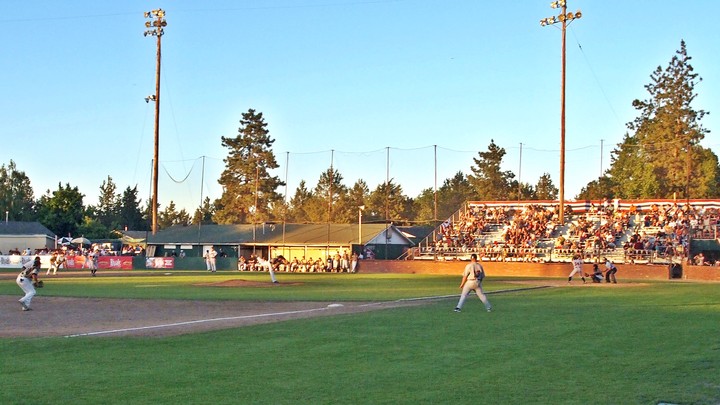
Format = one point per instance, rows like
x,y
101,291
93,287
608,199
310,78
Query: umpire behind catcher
x,y
27,280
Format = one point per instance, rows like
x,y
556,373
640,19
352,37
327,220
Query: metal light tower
x,y
156,30
360,210
564,18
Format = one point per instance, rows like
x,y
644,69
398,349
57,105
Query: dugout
x,y
384,241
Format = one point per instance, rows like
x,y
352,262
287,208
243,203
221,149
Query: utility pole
x,y
156,29
520,174
564,18
601,156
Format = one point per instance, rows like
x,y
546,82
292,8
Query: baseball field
x,y
193,337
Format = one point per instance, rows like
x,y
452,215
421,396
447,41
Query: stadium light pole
x,y
360,210
564,18
155,29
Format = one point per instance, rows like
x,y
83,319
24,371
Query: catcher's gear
x,y
39,284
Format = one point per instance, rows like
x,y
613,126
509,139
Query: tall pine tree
x,y
662,158
249,191
487,178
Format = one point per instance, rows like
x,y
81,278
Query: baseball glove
x,y
39,284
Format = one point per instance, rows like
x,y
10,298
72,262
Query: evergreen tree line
x,y
660,157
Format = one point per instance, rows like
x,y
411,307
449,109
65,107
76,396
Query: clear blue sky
x,y
365,79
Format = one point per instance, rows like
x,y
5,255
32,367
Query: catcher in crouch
x,y
27,280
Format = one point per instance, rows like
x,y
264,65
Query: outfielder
x,y
577,263
27,280
472,280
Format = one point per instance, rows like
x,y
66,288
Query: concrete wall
x,y
627,271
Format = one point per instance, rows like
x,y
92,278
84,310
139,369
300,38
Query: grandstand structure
x,y
656,231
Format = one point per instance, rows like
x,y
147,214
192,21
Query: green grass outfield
x,y
640,344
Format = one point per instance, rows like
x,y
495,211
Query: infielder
x,y
472,281
577,263
53,264
93,259
267,266
26,280
61,261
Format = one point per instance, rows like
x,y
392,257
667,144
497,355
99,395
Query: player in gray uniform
x,y
26,280
472,280
577,263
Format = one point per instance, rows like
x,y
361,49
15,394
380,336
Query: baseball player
x,y
61,261
267,266
206,256
597,276
53,263
213,258
472,281
93,259
610,271
86,262
26,280
577,263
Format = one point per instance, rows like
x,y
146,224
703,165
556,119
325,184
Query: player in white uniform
x,y
267,266
53,263
207,259
577,263
213,259
25,280
93,259
472,280
61,261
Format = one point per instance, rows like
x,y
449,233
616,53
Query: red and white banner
x,y
104,262
115,262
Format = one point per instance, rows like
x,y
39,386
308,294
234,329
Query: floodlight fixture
x,y
155,26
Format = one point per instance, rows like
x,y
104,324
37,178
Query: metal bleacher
x,y
489,244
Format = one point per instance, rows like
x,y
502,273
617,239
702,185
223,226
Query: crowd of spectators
x,y
661,232
130,250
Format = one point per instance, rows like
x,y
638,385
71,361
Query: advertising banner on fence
x,y
115,262
104,262
160,262
72,263
16,262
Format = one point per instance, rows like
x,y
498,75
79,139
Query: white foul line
x,y
169,325
229,318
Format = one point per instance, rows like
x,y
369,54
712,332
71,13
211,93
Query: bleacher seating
x,y
652,232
